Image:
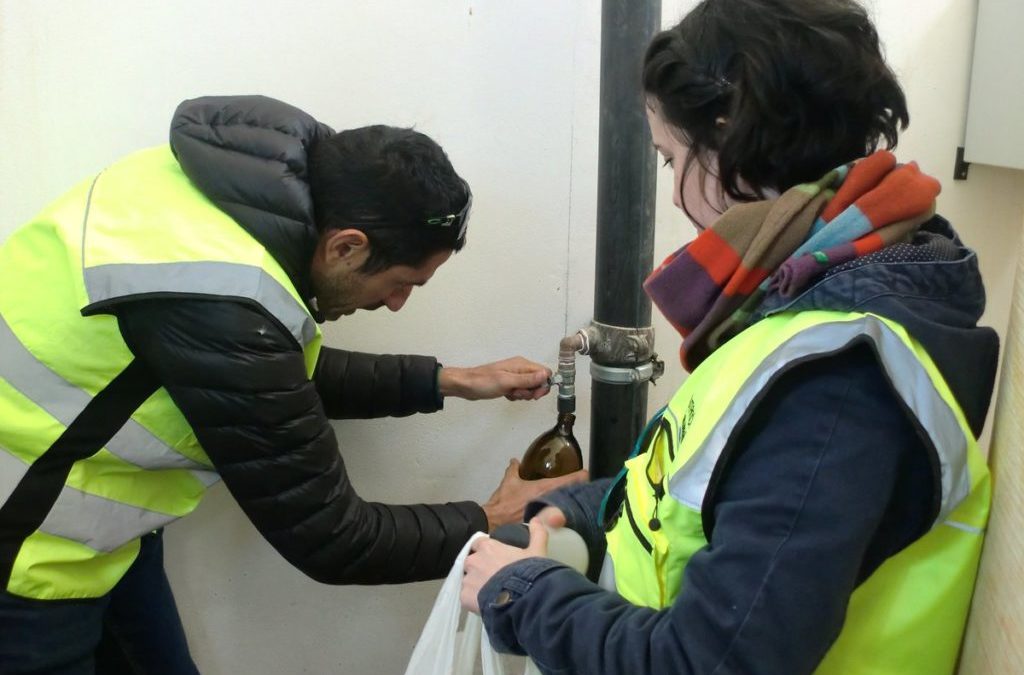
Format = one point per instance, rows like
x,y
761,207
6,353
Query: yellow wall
x,y
995,635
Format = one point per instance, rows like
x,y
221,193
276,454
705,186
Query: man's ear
x,y
349,247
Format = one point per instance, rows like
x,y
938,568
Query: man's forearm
x,y
357,385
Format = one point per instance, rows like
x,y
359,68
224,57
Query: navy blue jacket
x,y
826,480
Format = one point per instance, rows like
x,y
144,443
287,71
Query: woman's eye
x,y
668,162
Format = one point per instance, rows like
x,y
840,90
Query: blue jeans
x,y
133,629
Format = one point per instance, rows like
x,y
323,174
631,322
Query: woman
x,y
812,499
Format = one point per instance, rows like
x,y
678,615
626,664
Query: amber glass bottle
x,y
556,452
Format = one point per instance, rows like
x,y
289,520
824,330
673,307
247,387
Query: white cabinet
x,y
995,115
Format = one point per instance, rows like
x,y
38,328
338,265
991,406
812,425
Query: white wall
x,y
510,90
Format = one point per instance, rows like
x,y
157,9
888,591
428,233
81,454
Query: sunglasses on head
x,y
456,221
453,224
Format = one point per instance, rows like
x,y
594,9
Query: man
x,y
158,326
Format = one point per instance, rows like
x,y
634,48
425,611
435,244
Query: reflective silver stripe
x,y
206,477
905,372
12,470
101,524
970,529
64,401
606,580
220,279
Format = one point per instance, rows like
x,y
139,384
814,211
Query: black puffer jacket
x,y
240,380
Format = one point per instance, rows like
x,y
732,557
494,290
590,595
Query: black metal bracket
x,y
961,167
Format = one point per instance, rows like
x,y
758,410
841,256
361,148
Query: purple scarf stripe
x,y
796,273
684,291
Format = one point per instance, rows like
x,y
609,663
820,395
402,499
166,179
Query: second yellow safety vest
x,y
908,617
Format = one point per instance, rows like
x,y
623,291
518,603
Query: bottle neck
x,y
565,422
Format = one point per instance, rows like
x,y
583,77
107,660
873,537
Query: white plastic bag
x,y
445,650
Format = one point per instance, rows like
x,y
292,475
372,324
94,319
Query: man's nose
x,y
396,300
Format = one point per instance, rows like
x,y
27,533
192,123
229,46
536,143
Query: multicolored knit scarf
x,y
708,288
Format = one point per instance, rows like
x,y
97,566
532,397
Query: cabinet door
x,y
995,115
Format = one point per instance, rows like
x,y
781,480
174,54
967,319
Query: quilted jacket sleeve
x,y
358,385
241,383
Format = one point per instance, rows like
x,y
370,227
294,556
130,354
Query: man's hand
x,y
509,501
517,379
489,556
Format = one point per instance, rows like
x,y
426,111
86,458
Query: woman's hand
x,y
489,556
552,516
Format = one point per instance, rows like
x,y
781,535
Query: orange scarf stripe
x,y
864,176
745,281
719,260
903,194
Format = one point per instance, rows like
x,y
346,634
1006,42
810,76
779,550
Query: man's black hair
x,y
782,91
387,182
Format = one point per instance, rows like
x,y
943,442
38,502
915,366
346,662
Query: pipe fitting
x,y
565,378
623,355
620,347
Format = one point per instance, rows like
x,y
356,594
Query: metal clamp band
x,y
649,371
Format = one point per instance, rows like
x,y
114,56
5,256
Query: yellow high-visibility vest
x,y
93,454
908,617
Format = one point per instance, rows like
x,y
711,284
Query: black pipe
x,y
625,219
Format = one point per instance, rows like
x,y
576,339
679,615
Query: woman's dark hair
x,y
387,182
782,91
